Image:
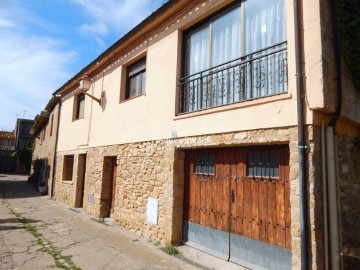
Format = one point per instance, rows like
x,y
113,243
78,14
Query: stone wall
x,y
65,191
349,174
156,169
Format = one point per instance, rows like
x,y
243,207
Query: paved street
x,y
38,233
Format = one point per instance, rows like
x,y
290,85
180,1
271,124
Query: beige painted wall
x,y
44,144
152,116
73,134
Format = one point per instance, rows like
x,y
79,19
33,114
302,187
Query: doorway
x,y
237,204
108,191
80,184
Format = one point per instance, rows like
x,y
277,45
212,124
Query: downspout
x,y
331,157
325,197
55,150
301,137
338,69
333,198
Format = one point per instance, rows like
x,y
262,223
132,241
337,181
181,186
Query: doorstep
x,y
188,254
206,261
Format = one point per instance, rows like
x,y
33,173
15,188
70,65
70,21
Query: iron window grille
x,y
264,164
237,55
256,75
205,163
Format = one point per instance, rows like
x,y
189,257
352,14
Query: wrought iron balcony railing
x,y
259,74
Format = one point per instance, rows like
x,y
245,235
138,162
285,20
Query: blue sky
x,y
43,43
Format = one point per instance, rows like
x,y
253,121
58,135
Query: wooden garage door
x,y
243,191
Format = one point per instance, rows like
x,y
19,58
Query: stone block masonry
x,y
156,169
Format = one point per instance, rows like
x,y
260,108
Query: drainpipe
x,y
333,198
55,150
333,179
325,197
301,137
337,50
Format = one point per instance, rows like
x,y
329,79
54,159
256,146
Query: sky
x,y
44,43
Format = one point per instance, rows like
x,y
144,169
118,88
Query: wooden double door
x,y
242,191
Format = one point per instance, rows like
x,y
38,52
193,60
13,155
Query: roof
x,y
102,60
7,135
42,119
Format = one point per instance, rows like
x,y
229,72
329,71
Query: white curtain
x,y
225,47
264,24
219,42
197,61
264,27
225,34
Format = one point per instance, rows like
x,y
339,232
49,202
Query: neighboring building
x,y
44,132
23,140
190,131
7,146
7,140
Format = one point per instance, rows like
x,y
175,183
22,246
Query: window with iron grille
x,y
263,163
205,163
237,55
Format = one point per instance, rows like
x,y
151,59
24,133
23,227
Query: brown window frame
x,y
68,168
51,124
79,99
135,70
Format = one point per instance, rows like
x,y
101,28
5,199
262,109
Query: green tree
x,y
24,155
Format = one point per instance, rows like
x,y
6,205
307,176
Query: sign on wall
x,y
152,210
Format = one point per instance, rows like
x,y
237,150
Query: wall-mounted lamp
x,y
85,84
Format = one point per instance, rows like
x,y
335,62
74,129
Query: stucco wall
x,y
44,144
156,169
152,116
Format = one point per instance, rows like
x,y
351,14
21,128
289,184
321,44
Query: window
x,y
80,106
136,74
237,55
205,163
263,164
68,167
51,124
44,133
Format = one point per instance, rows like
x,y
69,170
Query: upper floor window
x,y
51,124
237,55
79,106
136,74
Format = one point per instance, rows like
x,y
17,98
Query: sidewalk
x,y
59,237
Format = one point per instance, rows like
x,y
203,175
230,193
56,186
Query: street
x,y
38,233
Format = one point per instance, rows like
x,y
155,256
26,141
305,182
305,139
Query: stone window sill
x,y
69,182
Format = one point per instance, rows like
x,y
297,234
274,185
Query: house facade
x,y
7,146
23,141
187,130
44,132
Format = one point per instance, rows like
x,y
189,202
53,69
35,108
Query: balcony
x,y
256,75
